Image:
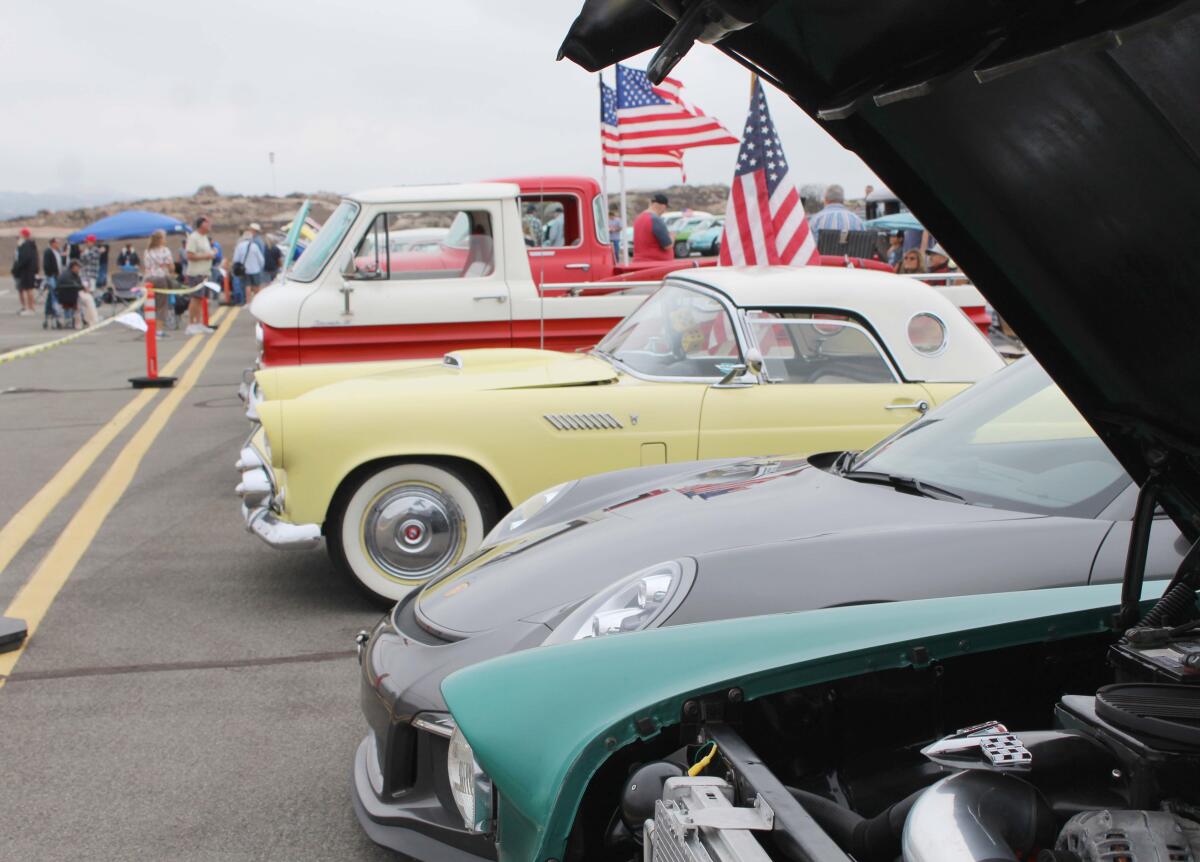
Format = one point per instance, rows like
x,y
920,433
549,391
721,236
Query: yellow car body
x,y
509,423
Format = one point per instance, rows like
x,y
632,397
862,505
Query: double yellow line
x,y
37,594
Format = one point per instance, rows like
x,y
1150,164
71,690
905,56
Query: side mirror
x,y
753,364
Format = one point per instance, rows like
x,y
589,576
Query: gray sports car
x,y
1006,481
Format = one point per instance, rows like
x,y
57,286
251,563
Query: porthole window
x,y
927,334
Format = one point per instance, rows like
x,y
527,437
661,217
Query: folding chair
x,y
124,287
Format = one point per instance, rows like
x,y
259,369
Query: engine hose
x,y
1175,601
874,839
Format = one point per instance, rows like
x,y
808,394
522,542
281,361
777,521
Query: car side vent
x,y
583,421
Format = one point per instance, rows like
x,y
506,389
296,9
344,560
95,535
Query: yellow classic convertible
x,y
404,471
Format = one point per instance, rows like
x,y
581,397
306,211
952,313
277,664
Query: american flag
x,y
764,219
657,119
610,140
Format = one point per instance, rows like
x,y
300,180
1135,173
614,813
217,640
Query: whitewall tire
x,y
405,524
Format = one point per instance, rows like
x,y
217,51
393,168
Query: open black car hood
x,y
1053,146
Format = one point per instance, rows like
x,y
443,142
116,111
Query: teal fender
x,y
542,721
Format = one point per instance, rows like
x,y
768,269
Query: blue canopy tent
x,y
131,224
896,221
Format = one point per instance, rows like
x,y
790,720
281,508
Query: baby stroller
x,y
53,317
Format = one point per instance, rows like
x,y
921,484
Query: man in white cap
x,y
936,258
249,258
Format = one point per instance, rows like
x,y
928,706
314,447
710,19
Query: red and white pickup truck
x,y
511,268
524,262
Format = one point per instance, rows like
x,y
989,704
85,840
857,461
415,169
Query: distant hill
x,y
228,212
709,198
231,213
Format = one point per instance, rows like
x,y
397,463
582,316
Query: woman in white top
x,y
158,265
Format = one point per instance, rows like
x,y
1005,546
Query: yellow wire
x,y
702,764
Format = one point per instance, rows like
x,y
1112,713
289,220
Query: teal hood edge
x,y
542,721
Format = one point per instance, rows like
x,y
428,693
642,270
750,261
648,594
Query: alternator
x,y
1140,836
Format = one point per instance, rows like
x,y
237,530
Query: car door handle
x,y
495,297
920,406
583,266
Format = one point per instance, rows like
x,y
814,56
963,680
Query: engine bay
x,y
1073,751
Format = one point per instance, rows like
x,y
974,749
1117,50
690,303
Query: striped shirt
x,y
835,217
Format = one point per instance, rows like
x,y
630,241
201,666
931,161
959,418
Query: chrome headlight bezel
x,y
521,514
634,603
470,786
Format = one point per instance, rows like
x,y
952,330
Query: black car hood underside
x,y
1053,146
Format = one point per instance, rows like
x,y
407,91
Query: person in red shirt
x,y
651,239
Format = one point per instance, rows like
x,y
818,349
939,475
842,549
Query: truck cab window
x,y
551,220
422,245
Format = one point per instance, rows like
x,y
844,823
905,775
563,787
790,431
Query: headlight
x,y
515,519
637,602
469,785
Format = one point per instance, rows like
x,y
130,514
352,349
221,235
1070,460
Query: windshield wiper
x,y
909,484
844,463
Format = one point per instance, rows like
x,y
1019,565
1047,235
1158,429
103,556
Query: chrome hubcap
x,y
414,530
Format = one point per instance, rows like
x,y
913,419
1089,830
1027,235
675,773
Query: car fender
x,y
542,721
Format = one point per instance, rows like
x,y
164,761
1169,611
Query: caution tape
x,y
179,291
39,348
24,352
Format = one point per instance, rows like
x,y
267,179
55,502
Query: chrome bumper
x,y
261,502
255,488
265,524
250,393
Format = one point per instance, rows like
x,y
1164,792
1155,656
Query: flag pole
x,y
753,84
603,159
624,212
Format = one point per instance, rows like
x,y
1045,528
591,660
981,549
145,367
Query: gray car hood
x,y
1052,146
754,502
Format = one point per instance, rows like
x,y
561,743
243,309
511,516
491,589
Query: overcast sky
x,y
158,98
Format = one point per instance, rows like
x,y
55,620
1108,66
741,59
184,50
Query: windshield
x,y
676,332
310,264
1013,441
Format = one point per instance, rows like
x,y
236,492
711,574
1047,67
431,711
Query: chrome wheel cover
x,y
413,530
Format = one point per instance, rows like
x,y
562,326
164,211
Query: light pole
x,y
274,185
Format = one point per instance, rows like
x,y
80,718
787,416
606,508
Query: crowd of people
x,y
75,278
908,252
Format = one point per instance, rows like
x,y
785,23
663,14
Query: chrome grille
x,y
583,421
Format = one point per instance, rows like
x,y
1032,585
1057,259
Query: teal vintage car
x,y
550,737
980,728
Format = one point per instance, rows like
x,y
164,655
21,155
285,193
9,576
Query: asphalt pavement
x,y
187,693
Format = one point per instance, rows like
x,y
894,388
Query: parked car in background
x,y
706,242
1007,475
405,472
684,232
675,218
